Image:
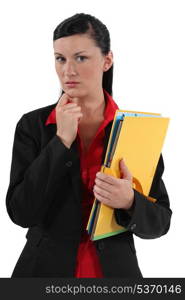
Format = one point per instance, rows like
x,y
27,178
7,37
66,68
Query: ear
x,y
108,61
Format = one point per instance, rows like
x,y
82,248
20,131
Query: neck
x,y
92,105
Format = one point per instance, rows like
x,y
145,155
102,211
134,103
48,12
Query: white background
x,y
147,40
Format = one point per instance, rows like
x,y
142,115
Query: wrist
x,y
63,140
130,204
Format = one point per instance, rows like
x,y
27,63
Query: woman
x,y
57,154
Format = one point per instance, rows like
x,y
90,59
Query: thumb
x,y
64,99
124,170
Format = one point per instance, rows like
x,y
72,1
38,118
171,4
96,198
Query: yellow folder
x,y
139,140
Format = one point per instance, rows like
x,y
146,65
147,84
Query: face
x,y
78,59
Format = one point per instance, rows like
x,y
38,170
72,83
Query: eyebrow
x,y
74,53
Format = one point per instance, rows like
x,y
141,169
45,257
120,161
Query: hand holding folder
x,y
137,137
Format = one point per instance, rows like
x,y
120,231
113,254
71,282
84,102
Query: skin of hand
x,y
115,192
68,116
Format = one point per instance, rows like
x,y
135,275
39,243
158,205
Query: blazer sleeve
x,y
35,174
146,219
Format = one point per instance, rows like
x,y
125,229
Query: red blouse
x,y
87,258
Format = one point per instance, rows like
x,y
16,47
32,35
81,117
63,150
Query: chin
x,y
74,92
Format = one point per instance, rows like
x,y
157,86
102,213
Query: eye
x,y
82,57
62,59
59,57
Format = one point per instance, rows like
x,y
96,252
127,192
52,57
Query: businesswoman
x,y
57,154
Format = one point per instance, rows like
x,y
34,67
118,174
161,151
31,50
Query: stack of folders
x,y
138,138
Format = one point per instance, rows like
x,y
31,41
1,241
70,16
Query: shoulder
x,y
37,116
32,124
41,113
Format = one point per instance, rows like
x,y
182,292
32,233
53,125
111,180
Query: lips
x,y
71,82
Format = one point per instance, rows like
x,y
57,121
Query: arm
x,y
35,174
146,219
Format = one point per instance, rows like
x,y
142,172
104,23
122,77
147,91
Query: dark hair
x,y
85,23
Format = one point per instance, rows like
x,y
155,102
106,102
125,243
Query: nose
x,y
69,69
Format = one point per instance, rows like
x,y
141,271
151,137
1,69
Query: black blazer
x,y
45,193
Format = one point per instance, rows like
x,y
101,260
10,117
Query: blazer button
x,y
100,245
69,163
133,226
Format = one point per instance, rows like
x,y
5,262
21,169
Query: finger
x,y
70,106
74,99
102,199
71,99
126,174
77,115
62,100
107,178
71,110
102,192
103,185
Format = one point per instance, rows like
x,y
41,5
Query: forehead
x,y
74,43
